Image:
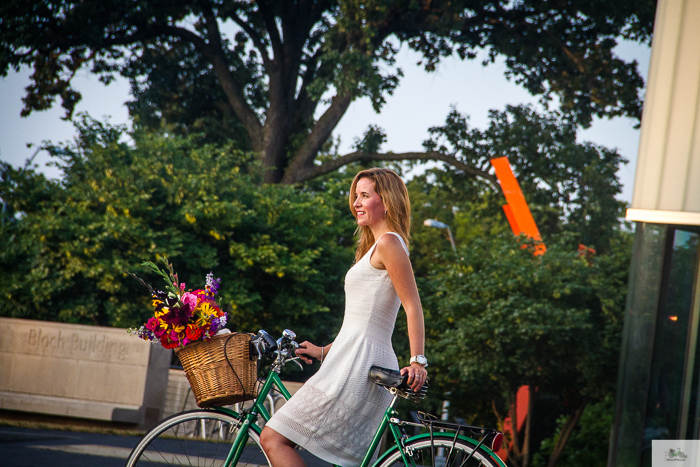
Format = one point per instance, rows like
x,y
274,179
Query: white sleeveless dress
x,y
336,413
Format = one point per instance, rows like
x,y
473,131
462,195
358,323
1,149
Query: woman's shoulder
x,y
392,242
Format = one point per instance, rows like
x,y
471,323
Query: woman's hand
x,y
417,374
307,351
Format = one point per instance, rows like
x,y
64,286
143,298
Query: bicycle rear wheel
x,y
420,452
195,438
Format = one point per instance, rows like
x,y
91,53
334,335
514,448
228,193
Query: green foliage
x,y
588,446
187,96
569,186
499,318
564,50
265,86
281,254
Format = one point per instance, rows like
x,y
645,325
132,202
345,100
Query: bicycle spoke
x,y
200,438
427,452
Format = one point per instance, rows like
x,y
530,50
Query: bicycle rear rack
x,y
490,437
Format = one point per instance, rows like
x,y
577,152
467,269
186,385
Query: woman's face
x,y
369,207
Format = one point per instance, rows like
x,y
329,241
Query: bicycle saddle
x,y
393,382
386,377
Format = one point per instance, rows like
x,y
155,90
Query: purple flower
x,y
214,328
146,334
178,316
212,284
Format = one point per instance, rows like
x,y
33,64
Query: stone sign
x,y
81,371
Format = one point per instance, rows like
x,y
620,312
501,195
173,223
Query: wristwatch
x,y
419,359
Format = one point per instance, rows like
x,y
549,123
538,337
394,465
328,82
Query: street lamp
x,y
441,225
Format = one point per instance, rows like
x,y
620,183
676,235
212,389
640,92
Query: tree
x,y
570,186
503,319
281,254
268,86
496,317
597,418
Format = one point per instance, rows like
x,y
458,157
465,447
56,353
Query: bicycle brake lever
x,y
296,360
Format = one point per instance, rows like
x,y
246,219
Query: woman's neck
x,y
379,229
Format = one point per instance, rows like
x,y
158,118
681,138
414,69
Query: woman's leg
x,y
280,450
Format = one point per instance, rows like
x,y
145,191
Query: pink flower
x,y
152,324
182,286
190,300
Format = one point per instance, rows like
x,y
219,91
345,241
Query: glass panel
x,y
670,341
692,367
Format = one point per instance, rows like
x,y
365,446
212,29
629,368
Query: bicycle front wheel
x,y
440,453
196,438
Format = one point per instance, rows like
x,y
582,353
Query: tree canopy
x,y
499,319
281,254
282,251
282,81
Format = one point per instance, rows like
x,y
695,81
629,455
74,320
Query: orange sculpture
x,y
521,222
517,211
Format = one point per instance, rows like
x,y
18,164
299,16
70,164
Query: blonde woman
x,y
336,413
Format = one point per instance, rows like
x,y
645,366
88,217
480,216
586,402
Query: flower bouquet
x,y
181,316
217,363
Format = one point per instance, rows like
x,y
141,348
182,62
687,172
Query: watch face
x,y
420,359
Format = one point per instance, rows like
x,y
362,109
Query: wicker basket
x,y
220,370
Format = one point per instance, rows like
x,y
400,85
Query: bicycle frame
x,y
389,421
401,440
251,417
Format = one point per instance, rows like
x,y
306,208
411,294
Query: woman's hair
x,y
394,194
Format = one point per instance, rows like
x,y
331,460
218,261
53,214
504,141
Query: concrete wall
x,y
81,371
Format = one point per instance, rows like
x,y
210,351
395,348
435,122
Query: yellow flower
x,y
206,310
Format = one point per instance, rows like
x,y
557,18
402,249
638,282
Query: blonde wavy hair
x,y
394,194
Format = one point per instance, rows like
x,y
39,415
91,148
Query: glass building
x,y
658,392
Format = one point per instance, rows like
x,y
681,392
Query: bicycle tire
x,y
420,453
194,438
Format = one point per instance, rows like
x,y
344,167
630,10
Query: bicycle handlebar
x,y
285,348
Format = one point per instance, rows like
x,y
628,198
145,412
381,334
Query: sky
x,y
421,101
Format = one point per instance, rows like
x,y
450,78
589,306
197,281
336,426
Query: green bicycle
x,y
221,437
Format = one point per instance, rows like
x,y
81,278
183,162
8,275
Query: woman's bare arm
x,y
390,255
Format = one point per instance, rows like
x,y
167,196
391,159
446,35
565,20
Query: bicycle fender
x,y
440,435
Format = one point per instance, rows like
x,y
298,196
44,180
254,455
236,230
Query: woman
x,y
336,413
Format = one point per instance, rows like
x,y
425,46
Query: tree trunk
x,y
528,426
566,432
273,153
516,448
